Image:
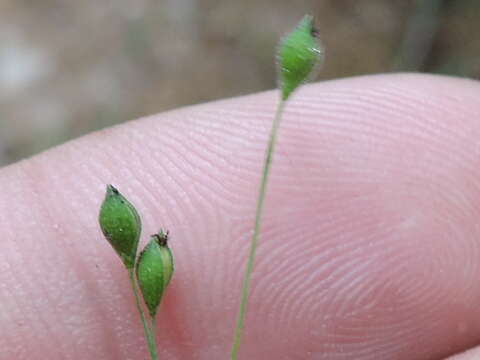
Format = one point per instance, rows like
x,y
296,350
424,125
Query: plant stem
x,y
149,333
153,326
258,222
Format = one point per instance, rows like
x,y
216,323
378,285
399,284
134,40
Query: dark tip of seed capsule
x,y
114,189
161,238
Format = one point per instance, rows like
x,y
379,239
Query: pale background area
x,y
71,67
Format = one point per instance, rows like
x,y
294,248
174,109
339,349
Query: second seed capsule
x,y
155,270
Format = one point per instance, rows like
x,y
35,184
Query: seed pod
x,y
120,225
154,270
298,54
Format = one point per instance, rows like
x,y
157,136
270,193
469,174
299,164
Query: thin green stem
x,y
258,222
149,332
153,326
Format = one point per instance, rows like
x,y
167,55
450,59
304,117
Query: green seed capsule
x,y
298,54
120,225
154,270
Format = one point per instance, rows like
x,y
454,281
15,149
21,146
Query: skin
x,y
370,246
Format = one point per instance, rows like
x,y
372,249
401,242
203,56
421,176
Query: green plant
x,y
121,226
299,53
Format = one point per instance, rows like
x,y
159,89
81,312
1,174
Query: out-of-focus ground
x,y
70,67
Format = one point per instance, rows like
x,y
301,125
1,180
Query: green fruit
x,y
154,271
299,53
120,225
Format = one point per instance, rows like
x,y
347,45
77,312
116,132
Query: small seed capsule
x,y
120,225
298,54
154,270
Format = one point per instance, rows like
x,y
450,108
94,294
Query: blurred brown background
x,y
70,67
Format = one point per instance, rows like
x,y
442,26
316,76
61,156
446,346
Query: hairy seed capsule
x,y
154,270
299,52
120,225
